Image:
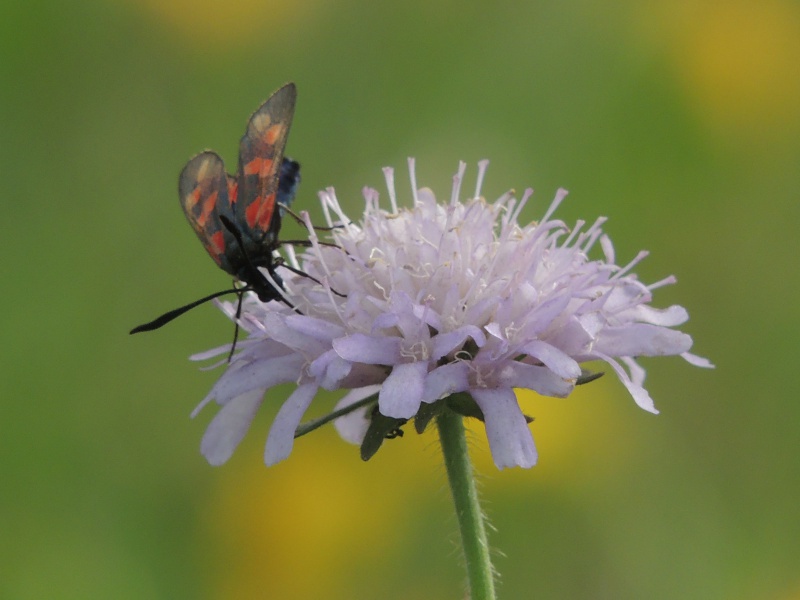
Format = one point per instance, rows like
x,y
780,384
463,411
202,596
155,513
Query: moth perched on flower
x,y
237,217
436,306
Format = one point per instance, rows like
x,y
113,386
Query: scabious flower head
x,y
418,304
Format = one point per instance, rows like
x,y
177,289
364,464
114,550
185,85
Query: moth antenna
x,y
174,314
300,220
307,243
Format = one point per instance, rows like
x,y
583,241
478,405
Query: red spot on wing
x,y
208,208
216,246
233,191
193,198
258,165
273,133
265,215
259,213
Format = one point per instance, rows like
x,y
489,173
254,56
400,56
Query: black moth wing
x,y
205,191
260,166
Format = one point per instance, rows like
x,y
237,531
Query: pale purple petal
x,y
637,372
362,375
571,337
497,345
697,361
593,323
639,394
547,312
218,351
509,437
482,310
445,343
541,380
262,375
368,349
641,339
229,426
291,337
385,321
428,316
401,393
329,369
554,359
445,380
669,317
319,329
281,435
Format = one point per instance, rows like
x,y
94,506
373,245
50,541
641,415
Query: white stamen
x,y
388,173
412,171
457,179
482,165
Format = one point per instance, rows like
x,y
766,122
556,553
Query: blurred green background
x,y
680,121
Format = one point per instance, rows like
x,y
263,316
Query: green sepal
x,y
427,412
463,404
380,428
588,377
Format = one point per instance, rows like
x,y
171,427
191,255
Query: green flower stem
x,y
480,573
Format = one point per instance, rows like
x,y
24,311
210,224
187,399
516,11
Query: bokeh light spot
x,y
230,24
738,62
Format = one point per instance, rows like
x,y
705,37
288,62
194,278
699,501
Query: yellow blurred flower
x,y
738,61
230,24
326,508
